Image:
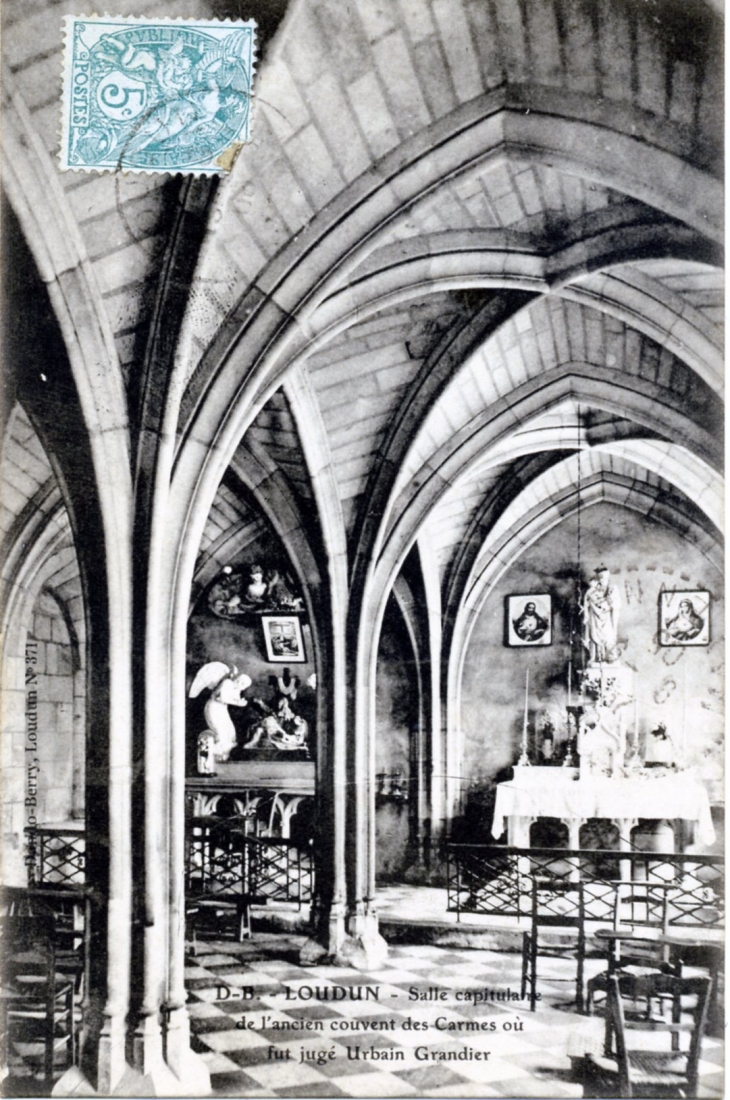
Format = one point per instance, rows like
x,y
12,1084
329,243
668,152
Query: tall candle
x,y
570,682
524,724
681,760
636,721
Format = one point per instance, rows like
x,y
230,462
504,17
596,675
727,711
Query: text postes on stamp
x,y
145,95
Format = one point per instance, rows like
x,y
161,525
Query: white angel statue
x,y
226,686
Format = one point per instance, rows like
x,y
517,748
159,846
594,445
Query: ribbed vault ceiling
x,y
37,540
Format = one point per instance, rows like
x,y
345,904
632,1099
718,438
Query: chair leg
x,y
533,973
589,998
607,1034
72,1057
4,1035
191,928
243,918
676,1017
48,1034
525,950
714,1010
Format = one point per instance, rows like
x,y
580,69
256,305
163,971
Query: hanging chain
x,y
579,546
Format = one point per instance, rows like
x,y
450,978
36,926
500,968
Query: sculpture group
x,y
272,727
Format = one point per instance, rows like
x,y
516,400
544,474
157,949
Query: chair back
x,y
67,908
37,1002
21,934
561,905
28,949
558,904
641,904
641,907
216,857
660,986
23,901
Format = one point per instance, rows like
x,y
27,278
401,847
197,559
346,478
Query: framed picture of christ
x,y
283,638
684,617
528,620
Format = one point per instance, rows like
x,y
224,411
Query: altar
x,y
574,798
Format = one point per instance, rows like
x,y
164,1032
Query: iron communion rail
x,y
224,859
496,881
221,858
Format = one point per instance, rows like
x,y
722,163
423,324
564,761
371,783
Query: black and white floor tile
x,y
250,1003
245,1041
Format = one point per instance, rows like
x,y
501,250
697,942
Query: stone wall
x,y
59,710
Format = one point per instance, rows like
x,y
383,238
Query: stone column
x,y
364,947
108,843
14,769
163,1062
332,778
189,1069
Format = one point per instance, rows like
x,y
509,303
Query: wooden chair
x,y
642,908
557,911
699,960
218,881
37,1000
218,916
652,1072
69,908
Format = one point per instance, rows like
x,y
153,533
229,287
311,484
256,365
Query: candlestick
x,y
681,760
524,758
570,683
636,723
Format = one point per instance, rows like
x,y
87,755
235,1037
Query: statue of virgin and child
x,y
600,609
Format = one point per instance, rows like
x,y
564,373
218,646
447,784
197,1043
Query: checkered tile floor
x,y
245,1041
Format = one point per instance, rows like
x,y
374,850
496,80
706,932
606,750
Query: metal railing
x,y
56,855
496,881
280,870
223,858
215,857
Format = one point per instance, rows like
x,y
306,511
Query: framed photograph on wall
x,y
528,619
684,617
283,638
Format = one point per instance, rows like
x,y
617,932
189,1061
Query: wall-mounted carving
x,y
253,590
283,729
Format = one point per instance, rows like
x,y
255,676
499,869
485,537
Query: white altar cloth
x,y
562,796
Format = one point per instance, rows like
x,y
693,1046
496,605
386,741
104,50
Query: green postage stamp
x,y
155,95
